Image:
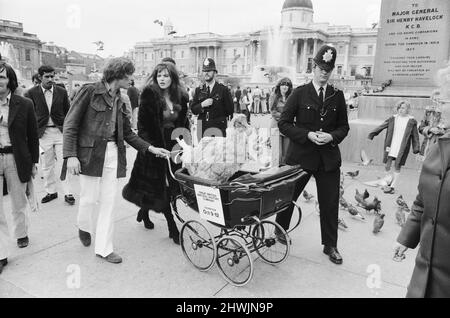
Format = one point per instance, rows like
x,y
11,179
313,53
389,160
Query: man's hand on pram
x,y
159,152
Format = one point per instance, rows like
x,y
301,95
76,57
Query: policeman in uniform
x,y
315,120
212,103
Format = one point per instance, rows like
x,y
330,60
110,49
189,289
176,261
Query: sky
x,y
76,24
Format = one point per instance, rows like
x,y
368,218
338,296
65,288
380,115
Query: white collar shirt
x,y
317,88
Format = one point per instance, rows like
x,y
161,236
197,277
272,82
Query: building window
x,y
235,52
234,69
341,49
27,55
243,69
225,52
182,54
353,70
370,50
174,54
161,54
339,70
355,50
145,56
153,56
368,70
311,49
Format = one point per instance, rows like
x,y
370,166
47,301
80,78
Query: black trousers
x,y
328,197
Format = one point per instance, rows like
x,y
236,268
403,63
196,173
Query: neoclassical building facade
x,y
293,45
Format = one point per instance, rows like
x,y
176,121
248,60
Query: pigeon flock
x,y
364,205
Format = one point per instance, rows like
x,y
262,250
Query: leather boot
x,y
143,216
174,234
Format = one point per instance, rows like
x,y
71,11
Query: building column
x,y
347,51
258,52
197,59
294,54
304,59
245,58
315,46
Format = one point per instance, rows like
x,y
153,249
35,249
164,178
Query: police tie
x,y
208,90
321,99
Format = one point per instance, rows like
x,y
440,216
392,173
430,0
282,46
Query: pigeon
x,y
344,204
401,203
365,160
375,205
366,194
378,223
307,196
400,216
359,198
354,212
341,224
352,174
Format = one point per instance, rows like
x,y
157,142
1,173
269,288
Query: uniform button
x,y
107,124
309,107
321,119
321,129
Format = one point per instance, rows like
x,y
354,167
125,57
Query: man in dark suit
x,y
19,154
212,103
51,104
133,94
320,116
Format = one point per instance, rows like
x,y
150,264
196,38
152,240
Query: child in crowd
x,y
401,133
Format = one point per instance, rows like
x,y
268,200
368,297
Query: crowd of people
x,y
86,134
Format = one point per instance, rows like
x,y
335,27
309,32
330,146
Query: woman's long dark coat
x,y
147,187
428,225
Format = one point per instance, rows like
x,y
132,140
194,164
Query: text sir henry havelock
x,y
225,307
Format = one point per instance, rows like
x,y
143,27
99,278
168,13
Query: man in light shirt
x,y
51,104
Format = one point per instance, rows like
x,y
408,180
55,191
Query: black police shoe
x,y
333,254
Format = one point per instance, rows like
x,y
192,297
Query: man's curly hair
x,y
117,69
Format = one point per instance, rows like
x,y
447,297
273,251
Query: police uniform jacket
x,y
302,115
215,115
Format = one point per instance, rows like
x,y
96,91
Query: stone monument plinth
x,y
413,44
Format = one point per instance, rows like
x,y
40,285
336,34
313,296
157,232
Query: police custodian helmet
x,y
209,65
326,58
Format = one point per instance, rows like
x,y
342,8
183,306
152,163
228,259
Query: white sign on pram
x,y
209,204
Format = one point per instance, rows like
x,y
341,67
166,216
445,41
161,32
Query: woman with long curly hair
x,y
163,108
276,103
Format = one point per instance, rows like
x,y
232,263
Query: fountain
x,y
277,60
8,55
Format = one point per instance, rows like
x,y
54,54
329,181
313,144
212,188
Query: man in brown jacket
x,y
94,132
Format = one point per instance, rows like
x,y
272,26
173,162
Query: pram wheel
x,y
267,237
198,245
234,261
